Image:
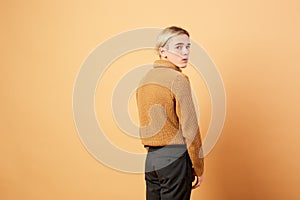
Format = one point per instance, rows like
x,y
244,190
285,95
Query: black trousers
x,y
168,173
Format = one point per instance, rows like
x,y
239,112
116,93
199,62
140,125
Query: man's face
x,y
177,50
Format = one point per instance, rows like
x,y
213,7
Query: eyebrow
x,y
181,43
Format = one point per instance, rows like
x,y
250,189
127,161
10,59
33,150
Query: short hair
x,y
166,34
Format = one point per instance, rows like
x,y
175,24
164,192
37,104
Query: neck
x,y
166,63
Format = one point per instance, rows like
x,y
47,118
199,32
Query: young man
x,y
168,122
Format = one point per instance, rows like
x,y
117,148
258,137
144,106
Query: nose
x,y
185,51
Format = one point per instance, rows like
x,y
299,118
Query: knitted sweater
x,y
166,111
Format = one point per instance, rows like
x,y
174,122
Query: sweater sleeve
x,y
187,117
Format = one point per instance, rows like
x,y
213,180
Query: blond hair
x,y
166,34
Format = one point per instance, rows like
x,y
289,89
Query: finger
x,y
199,181
197,185
196,180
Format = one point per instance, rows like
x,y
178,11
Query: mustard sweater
x,y
166,111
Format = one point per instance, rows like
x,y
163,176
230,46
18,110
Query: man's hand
x,y
198,181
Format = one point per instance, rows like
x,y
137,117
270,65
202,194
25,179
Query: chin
x,y
182,66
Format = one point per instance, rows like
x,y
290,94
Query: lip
x,y
184,60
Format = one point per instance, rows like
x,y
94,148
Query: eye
x,y
178,47
188,47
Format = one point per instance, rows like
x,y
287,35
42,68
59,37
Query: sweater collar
x,y
166,63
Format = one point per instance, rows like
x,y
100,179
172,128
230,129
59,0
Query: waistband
x,y
177,146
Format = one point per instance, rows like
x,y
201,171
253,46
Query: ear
x,y
162,52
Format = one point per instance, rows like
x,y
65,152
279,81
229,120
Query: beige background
x,y
255,45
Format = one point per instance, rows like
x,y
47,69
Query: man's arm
x,y
186,113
